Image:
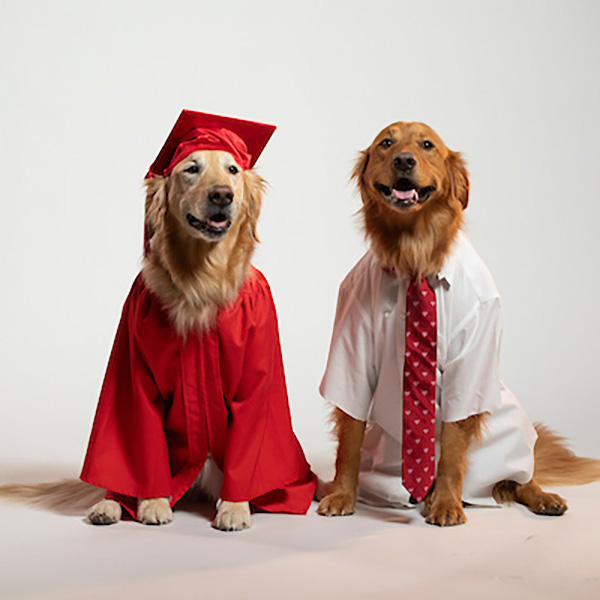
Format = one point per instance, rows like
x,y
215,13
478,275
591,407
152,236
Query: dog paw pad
x,y
337,505
154,511
232,516
105,512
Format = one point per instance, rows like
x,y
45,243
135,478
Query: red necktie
x,y
418,418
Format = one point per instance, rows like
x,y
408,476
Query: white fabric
x,y
364,373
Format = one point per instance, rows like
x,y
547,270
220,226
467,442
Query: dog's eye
x,y
427,145
233,169
191,169
386,143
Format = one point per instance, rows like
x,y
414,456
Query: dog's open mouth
x,y
405,194
216,225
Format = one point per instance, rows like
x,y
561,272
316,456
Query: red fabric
x,y
210,139
192,131
418,419
167,402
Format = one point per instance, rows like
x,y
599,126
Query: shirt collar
x,y
445,276
446,273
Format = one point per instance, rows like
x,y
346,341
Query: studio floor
x,y
500,553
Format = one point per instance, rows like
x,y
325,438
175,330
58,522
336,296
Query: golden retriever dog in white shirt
x,y
413,234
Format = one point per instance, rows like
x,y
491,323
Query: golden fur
x,y
415,241
61,496
555,464
414,237
194,276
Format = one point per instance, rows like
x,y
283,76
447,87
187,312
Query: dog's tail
x,y
61,496
556,464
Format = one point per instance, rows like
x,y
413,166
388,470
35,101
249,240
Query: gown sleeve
x,y
263,462
127,453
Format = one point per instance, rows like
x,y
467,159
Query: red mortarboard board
x,y
245,140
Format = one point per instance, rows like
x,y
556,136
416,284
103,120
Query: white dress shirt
x,y
364,374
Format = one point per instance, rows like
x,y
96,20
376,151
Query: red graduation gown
x,y
168,401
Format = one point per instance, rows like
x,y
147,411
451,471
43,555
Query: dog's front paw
x,y
548,504
337,504
232,516
105,512
444,512
154,511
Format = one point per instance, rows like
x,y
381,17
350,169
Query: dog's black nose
x,y
404,161
221,195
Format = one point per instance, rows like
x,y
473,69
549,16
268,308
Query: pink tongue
x,y
218,224
405,194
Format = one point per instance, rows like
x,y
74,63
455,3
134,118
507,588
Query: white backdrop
x,y
90,91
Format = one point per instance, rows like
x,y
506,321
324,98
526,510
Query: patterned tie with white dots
x,y
418,417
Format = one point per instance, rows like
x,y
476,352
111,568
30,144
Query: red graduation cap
x,y
244,140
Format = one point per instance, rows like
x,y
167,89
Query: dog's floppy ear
x,y
254,188
359,171
459,177
156,203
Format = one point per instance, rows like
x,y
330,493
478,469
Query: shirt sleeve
x,y
350,377
470,382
